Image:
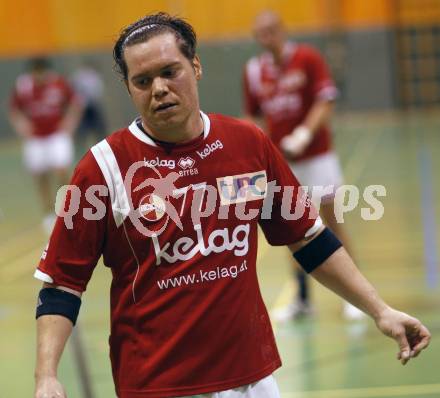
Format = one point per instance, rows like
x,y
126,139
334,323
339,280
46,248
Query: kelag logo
x,y
242,188
209,148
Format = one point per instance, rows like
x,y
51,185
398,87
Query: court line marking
x,y
22,265
16,253
39,240
356,164
369,392
19,234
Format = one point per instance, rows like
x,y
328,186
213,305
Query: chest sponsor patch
x,y
242,187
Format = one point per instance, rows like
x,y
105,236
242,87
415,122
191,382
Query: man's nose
x,y
159,87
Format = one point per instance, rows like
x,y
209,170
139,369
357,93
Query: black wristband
x,y
312,255
53,301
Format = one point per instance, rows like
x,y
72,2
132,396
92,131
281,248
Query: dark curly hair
x,y
149,26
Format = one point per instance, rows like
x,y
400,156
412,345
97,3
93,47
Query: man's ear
x,y
197,67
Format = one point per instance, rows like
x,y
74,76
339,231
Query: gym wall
x,y
358,38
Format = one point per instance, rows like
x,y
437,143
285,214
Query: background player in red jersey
x,y
45,112
187,317
288,90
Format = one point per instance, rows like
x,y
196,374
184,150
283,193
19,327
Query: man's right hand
x,y
49,387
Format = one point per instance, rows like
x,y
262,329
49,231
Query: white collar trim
x,y
206,124
140,135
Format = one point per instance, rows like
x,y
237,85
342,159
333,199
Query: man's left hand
x,y
410,334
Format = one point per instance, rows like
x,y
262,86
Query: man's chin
x,y
169,122
167,114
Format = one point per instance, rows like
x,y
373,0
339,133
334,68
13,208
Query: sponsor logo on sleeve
x,y
242,188
44,254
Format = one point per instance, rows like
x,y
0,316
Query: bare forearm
x,y
72,117
340,274
21,123
318,115
52,334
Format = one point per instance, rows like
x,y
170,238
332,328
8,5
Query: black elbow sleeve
x,y
312,255
53,301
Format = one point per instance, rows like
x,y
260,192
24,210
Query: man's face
x,y
162,83
39,74
268,31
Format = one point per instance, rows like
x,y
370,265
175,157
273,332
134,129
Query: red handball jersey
x,y
43,103
178,228
284,95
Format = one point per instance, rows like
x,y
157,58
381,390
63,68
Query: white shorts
x,y
264,388
320,171
48,153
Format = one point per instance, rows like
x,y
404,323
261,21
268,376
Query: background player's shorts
x,y
48,153
92,121
266,388
320,171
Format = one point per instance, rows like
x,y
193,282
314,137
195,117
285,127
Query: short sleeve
x,y
251,105
22,85
280,228
72,253
14,101
323,87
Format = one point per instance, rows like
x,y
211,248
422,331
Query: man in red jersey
x,y
173,203
288,90
45,112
